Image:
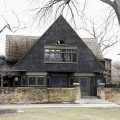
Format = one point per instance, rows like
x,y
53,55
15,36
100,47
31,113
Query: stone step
x,y
90,97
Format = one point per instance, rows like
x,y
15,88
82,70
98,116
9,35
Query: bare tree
x,y
4,70
60,6
9,27
74,8
57,7
105,36
115,5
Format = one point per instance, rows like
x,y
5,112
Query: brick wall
x,y
26,95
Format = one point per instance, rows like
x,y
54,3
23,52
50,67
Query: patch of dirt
x,y
7,111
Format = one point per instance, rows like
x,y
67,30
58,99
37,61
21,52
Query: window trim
x,y
61,47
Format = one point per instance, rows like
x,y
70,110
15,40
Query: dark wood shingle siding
x,y
60,30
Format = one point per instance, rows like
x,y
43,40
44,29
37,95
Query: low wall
x,y
34,95
101,92
110,94
61,95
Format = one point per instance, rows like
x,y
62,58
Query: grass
x,y
65,114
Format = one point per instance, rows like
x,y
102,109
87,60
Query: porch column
x,y
78,91
101,90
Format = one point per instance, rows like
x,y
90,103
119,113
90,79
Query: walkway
x,y
80,103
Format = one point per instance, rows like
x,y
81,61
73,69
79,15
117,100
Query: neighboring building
x,y
107,72
58,58
115,72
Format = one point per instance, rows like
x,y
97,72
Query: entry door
x,y
84,86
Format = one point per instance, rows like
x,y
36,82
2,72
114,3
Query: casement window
x,y
59,54
16,81
33,81
40,80
71,81
24,81
108,64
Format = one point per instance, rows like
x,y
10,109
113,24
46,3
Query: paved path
x,y
93,101
80,103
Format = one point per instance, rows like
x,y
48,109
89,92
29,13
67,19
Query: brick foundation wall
x,y
34,95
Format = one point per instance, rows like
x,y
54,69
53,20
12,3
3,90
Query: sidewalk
x,y
81,103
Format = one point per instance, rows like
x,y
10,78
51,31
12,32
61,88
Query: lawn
x,y
65,114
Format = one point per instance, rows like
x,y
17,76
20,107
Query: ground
x,y
7,111
65,114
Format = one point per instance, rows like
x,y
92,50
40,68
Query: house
x,y
115,72
59,58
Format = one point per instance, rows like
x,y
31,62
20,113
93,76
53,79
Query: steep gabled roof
x,y
18,45
33,60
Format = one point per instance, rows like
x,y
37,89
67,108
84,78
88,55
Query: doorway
x,y
84,86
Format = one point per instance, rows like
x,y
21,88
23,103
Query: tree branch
x,y
109,2
116,6
8,26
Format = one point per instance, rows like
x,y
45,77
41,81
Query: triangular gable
x,y
59,30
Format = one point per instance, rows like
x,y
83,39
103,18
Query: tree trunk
x,y
117,9
116,6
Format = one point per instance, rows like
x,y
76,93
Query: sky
x,y
95,10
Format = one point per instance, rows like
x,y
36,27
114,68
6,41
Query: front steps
x,y
89,97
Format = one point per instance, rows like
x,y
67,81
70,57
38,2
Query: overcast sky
x,y
95,10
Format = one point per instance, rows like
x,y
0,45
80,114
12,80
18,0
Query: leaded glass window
x,y
61,55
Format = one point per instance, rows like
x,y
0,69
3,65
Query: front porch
x,y
87,82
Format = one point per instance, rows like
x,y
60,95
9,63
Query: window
x,y
16,81
40,80
60,55
33,80
59,42
108,64
24,80
71,80
49,81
